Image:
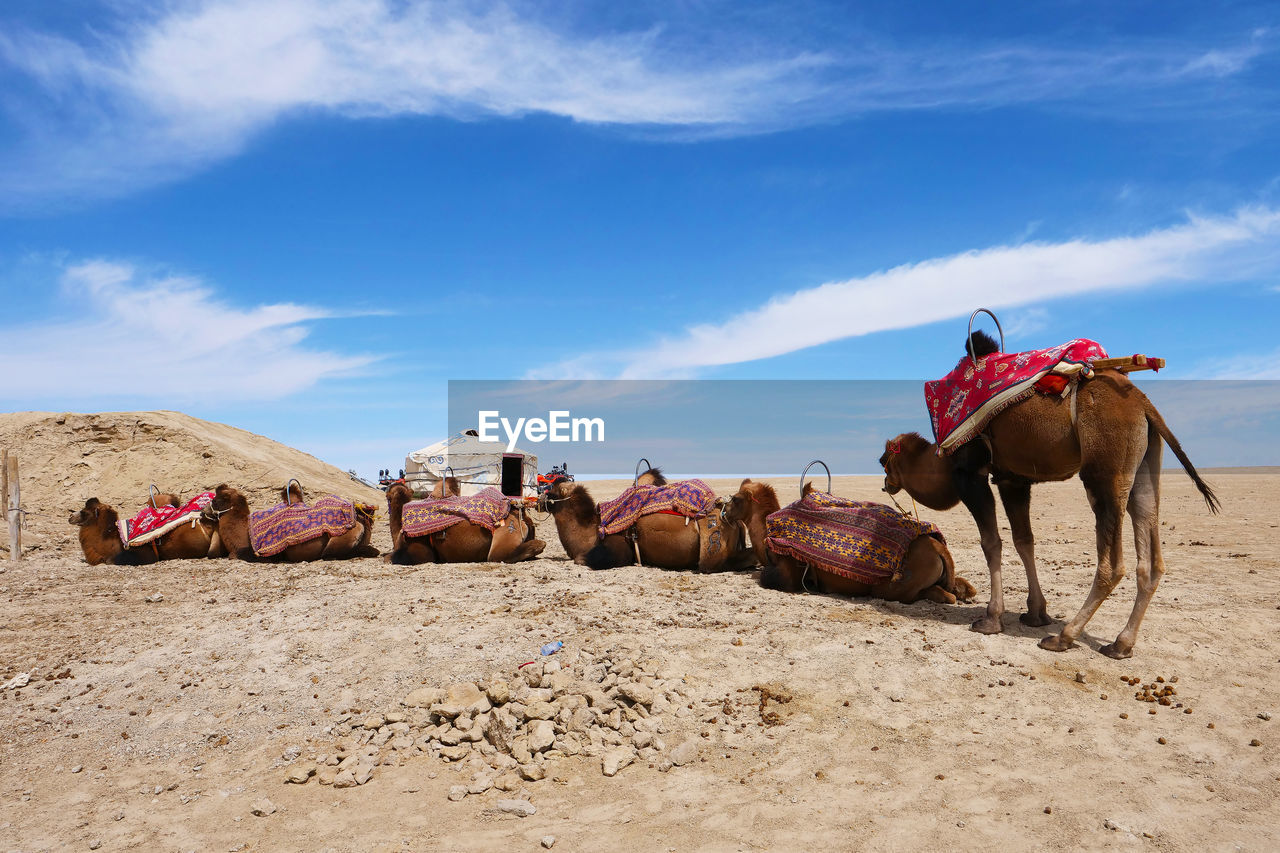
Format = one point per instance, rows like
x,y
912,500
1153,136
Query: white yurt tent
x,y
477,465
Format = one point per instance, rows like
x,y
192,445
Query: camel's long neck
x,y
928,480
233,526
578,533
100,542
756,529
395,514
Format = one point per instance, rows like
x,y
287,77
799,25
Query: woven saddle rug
x,y
861,540
963,402
273,530
486,508
154,522
692,498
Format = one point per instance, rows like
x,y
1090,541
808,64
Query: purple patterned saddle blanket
x,y
861,540
687,497
487,508
273,530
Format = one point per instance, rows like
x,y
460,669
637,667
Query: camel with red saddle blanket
x,y
1099,425
167,528
292,531
846,547
447,528
655,523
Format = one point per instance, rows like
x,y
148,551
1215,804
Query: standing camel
x,y
1110,435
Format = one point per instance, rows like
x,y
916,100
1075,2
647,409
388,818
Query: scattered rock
x,y
154,598
301,774
22,679
262,808
522,808
548,841
541,735
685,753
532,772
616,759
423,697
95,844
457,792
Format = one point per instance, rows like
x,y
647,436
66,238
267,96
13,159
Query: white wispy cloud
x,y
1204,249
162,96
125,334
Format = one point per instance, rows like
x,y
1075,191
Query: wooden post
x,y
15,501
4,484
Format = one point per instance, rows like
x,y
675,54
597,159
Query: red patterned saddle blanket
x,y
861,540
273,530
964,401
692,498
487,508
153,522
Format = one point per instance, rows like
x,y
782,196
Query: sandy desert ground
x,y
158,725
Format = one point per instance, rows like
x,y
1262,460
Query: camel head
x,y
93,508
225,499
652,477
899,454
449,486
751,498
569,498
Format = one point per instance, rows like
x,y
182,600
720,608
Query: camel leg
x,y
1144,512
1107,497
938,594
976,494
784,574
922,569
1016,497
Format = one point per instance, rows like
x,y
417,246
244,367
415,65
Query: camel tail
x,y
1154,418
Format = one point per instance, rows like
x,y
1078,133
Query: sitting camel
x,y
511,540
1110,434
659,539
232,511
101,543
926,571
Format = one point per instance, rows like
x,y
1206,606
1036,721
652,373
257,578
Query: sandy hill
x,y
66,458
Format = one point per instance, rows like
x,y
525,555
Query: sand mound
x,y
114,456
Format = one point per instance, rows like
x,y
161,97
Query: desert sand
x,y
157,725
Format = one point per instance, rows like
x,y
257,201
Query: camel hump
x,y
980,343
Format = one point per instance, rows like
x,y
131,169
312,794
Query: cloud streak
x,y
165,339
1209,250
168,95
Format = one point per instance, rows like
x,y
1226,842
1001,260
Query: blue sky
x,y
303,218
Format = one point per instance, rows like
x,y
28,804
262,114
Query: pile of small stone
x,y
509,728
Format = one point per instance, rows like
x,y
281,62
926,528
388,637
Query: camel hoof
x,y
1114,652
987,625
1035,620
1056,643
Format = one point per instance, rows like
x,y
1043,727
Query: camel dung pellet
x,y
1211,725
1188,711
1255,742
1152,711
1161,741
1102,696
939,777
1124,716
1048,809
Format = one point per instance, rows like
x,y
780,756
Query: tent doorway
x,y
512,464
